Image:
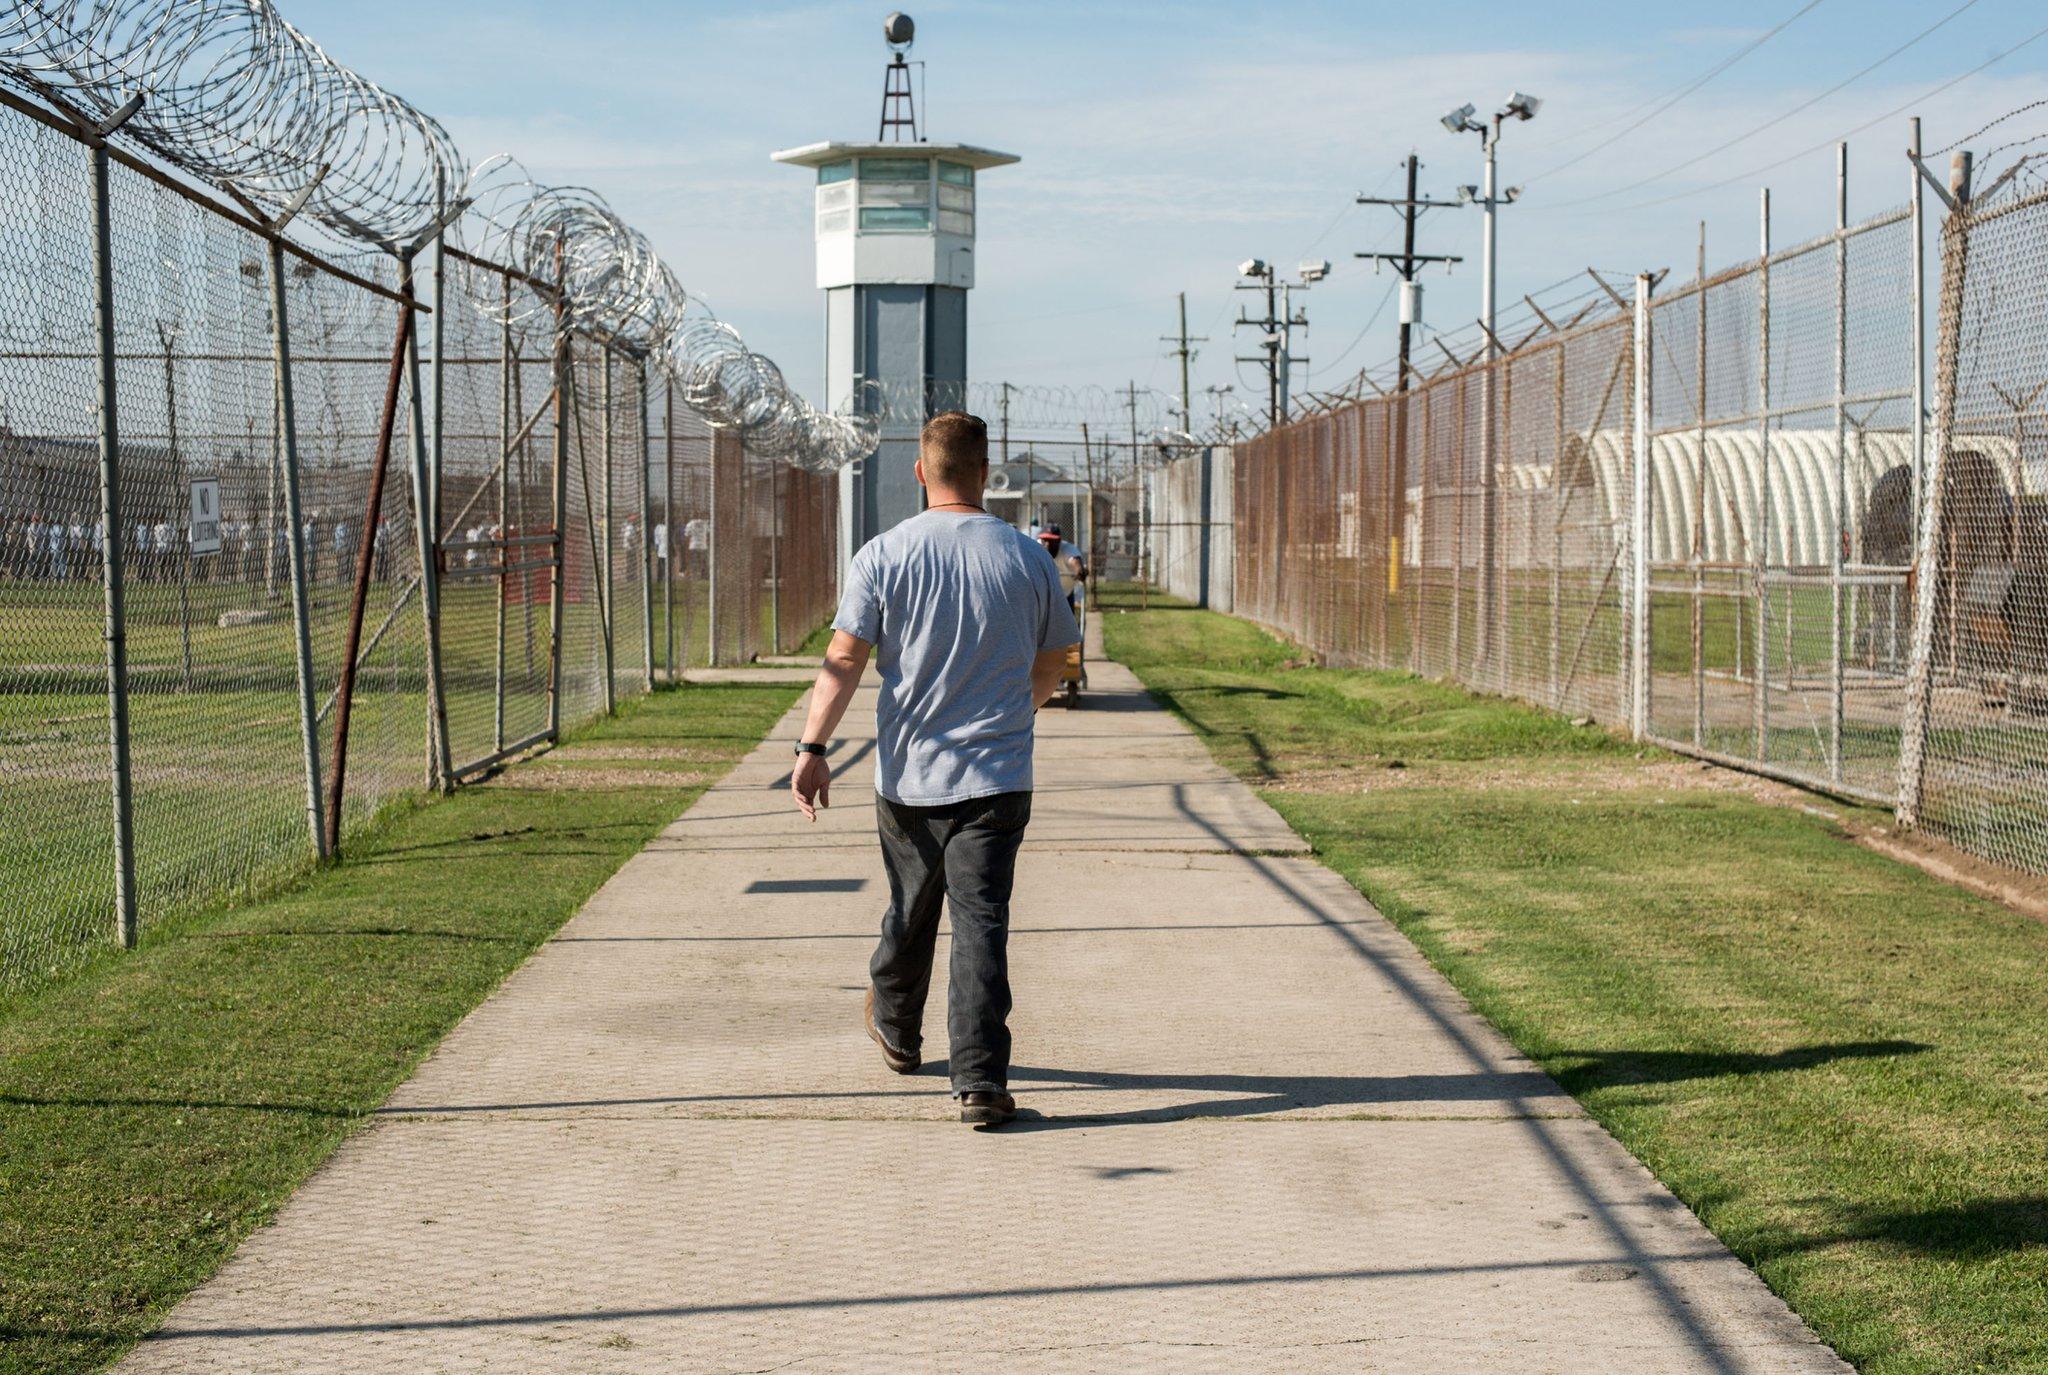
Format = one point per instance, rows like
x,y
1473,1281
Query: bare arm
x,y
1045,674
810,782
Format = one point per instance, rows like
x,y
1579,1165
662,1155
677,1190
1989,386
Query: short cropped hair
x,y
954,447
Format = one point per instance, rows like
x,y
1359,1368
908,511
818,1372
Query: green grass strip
x,y
1838,1062
161,1104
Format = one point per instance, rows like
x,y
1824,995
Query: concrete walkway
x,y
1263,1135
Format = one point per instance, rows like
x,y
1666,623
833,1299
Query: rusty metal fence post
x,y
607,605
1638,659
507,417
366,557
775,559
1761,689
113,588
1927,580
565,416
673,542
1839,536
646,541
714,578
302,603
440,771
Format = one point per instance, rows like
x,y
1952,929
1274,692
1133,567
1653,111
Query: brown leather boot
x,y
901,1062
987,1109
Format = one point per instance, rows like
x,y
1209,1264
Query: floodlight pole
x,y
1489,427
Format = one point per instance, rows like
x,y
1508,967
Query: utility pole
x,y
1184,353
1137,476
1405,263
1087,502
1030,509
1260,273
1006,423
1290,316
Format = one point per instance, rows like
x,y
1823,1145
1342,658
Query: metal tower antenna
x,y
899,110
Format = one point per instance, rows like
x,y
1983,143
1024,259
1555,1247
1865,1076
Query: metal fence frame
x,y
498,545
1774,482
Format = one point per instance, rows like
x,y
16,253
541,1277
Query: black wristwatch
x,y
806,747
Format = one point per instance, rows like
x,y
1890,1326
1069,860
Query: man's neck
x,y
936,498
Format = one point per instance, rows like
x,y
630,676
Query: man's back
x,y
957,606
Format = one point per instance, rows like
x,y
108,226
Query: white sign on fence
x,y
206,515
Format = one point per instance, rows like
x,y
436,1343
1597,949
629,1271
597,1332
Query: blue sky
x,y
1164,143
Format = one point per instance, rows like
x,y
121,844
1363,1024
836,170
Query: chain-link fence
x,y
1191,530
1976,714
223,641
1695,514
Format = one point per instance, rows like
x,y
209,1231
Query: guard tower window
x,y
895,217
835,171
895,193
896,169
957,173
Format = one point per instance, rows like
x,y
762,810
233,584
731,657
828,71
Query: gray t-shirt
x,y
957,605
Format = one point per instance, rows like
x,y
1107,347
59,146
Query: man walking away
x,y
969,630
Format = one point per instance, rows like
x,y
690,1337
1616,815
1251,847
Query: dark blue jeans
x,y
964,853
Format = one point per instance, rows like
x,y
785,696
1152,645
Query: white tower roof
x,y
895,213
818,154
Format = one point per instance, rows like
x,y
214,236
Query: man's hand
x,y
810,783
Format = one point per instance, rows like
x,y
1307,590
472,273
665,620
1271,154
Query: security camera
x,y
1252,267
1314,272
1522,106
1467,194
1459,121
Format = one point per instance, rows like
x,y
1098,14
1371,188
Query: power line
x,y
1349,206
1775,120
1867,124
1359,338
1684,91
1062,314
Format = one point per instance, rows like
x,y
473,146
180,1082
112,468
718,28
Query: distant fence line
x,y
1191,528
279,541
1767,517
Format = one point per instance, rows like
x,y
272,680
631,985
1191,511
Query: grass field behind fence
x,y
1838,1062
219,790
161,1103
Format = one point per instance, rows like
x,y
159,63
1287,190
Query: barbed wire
x,y
234,96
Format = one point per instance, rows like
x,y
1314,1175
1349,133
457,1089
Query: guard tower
x,y
895,231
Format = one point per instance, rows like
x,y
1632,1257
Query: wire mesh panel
x,y
1983,776
206,544
343,381
805,582
626,524
1781,482
307,575
56,846
477,369
1471,528
582,651
689,446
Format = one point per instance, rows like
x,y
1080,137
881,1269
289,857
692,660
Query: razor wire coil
x,y
235,96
